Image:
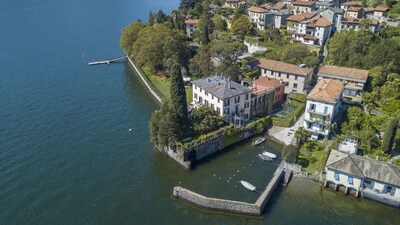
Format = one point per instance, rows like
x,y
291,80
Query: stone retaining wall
x,y
233,206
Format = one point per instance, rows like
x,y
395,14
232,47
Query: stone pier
x,y
226,205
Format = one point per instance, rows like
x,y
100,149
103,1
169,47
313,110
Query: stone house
x,y
354,12
295,78
333,15
294,20
229,99
354,79
191,27
277,87
300,6
323,104
369,178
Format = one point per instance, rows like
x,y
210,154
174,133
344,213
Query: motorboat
x,y
258,141
248,186
269,154
264,157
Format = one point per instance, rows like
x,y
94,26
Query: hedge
x,y
290,153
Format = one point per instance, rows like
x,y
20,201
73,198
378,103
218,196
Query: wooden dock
x,y
107,61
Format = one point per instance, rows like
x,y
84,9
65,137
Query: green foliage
x,y
219,23
396,162
205,28
242,26
205,120
301,135
259,125
298,97
201,65
389,135
290,153
129,36
229,70
178,96
299,54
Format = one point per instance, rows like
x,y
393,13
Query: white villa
x,y
190,27
296,78
314,31
354,79
372,179
260,17
229,99
323,104
300,6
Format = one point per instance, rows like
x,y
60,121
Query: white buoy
x,y
220,178
214,174
238,171
233,174
230,178
130,129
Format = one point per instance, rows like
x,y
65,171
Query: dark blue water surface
x,y
67,157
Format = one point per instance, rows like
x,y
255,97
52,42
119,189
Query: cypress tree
x,y
178,96
388,136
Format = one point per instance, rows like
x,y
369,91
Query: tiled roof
x,y
220,87
326,90
354,9
381,8
358,20
279,66
279,6
257,9
354,3
269,82
302,16
322,22
344,72
364,167
191,21
304,3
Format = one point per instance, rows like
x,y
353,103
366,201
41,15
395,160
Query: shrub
x,y
288,121
290,153
388,136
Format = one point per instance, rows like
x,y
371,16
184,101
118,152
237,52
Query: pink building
x,y
266,83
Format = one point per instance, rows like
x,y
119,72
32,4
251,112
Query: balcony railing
x,y
317,112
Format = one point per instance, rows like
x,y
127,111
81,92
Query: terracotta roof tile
x,y
381,8
358,20
283,67
279,6
302,16
354,9
269,82
322,22
344,72
354,3
191,21
304,3
326,90
257,9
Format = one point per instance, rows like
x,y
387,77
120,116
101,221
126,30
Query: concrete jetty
x,y
231,206
107,61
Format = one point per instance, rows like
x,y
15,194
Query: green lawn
x,y
312,157
163,85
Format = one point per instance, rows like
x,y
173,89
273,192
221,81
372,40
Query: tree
x,y
388,136
178,96
203,60
299,54
229,70
205,120
205,28
301,135
219,23
129,36
242,26
290,153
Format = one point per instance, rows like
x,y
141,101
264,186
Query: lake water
x,y
67,157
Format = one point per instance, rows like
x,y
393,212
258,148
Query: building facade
x,y
323,104
313,31
229,99
353,79
295,78
300,6
260,17
369,178
191,27
266,84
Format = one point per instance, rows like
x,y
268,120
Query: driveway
x,y
286,134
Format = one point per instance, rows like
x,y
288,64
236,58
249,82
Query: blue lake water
x,y
67,157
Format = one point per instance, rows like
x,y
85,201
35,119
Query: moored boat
x,y
269,154
248,186
258,141
264,157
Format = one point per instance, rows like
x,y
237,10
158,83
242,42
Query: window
x,y
205,102
287,84
336,176
279,74
227,102
247,96
195,96
212,97
350,180
237,99
294,85
218,110
212,106
295,77
226,110
236,109
287,75
326,110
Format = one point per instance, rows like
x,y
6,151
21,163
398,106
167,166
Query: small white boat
x,y
248,186
264,157
269,154
258,141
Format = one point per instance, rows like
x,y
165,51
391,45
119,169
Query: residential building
x,y
323,104
354,79
314,31
324,4
294,20
232,3
229,99
191,27
281,17
295,78
333,15
261,17
347,5
381,11
300,6
279,6
267,83
354,12
355,24
348,145
367,177
262,100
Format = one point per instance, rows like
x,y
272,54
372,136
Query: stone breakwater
x,y
231,206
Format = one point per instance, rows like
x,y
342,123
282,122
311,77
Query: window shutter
x,y
393,191
384,188
372,185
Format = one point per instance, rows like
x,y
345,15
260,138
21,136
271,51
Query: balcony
x,y
313,111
